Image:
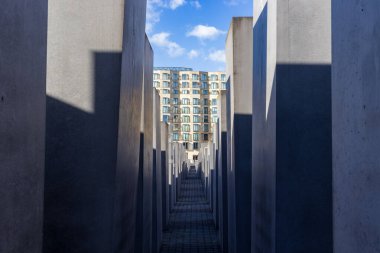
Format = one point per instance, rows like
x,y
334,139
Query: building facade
x,y
189,104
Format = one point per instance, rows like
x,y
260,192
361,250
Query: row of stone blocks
x,y
82,155
296,154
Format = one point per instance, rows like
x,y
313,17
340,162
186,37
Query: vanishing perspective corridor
x,y
191,227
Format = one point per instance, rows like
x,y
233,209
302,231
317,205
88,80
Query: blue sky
x,y
192,33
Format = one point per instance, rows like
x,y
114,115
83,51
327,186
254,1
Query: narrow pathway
x,y
191,228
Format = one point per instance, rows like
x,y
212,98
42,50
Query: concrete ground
x,y
191,228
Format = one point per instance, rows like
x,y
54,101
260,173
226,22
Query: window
x,y
205,101
185,101
165,84
175,101
196,101
175,91
204,77
205,137
176,127
205,128
214,110
175,76
204,85
195,137
214,77
185,85
176,119
175,109
194,77
175,136
156,84
186,137
185,77
214,101
166,76
224,86
186,110
186,145
214,92
165,91
205,92
165,118
196,110
165,109
175,85
205,110
214,86
196,127
195,85
166,101
185,92
156,76
186,119
223,77
186,128
215,119
195,92
196,119
205,119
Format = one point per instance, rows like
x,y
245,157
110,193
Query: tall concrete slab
x,y
222,172
83,92
157,209
127,169
356,125
239,70
291,194
23,29
165,173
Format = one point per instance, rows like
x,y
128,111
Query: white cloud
x,y
172,48
217,56
204,32
196,4
193,54
174,4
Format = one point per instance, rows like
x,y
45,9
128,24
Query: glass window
x,y
214,77
195,85
166,76
205,110
175,91
186,137
165,118
185,101
186,119
196,127
205,92
156,84
175,136
186,128
185,77
214,92
165,109
205,101
176,119
195,137
194,77
205,128
214,101
186,110
195,91
185,85
214,110
205,119
176,109
165,91
175,76
205,137
175,85
166,101
196,119
196,101
156,76
175,101
215,119
223,77
224,86
214,86
165,84
196,110
204,77
204,85
185,92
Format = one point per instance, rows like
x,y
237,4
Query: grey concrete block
x,y
23,29
239,69
127,169
292,127
83,89
165,173
356,125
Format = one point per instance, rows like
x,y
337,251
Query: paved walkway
x,y
191,228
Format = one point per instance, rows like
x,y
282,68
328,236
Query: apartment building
x,y
189,104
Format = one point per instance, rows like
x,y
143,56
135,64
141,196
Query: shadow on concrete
x,y
81,152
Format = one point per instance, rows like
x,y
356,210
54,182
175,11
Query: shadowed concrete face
x,y
23,26
291,195
239,141
356,125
